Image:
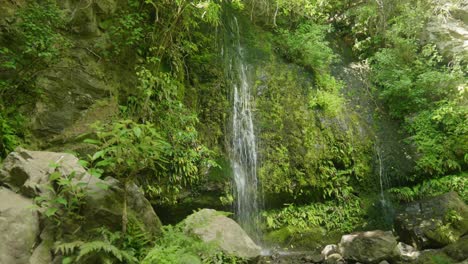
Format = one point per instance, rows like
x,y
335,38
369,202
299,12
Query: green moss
x,y
310,239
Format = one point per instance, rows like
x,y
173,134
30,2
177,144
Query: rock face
x,y
19,227
427,224
369,247
81,78
450,32
212,226
27,172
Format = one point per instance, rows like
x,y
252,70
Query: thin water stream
x,y
243,151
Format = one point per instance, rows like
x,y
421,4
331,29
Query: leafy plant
x,y
332,215
176,247
105,246
63,199
433,187
127,149
306,46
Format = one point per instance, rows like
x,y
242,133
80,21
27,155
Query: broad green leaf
x,y
98,155
102,186
54,176
92,141
51,211
137,131
61,200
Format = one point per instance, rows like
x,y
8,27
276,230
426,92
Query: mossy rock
x,y
312,239
434,257
458,250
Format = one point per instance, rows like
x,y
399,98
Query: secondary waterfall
x,y
243,152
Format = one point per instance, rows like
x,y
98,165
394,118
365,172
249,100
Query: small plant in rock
x,y
63,199
128,149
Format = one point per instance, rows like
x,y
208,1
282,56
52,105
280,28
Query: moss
x,y
311,239
434,257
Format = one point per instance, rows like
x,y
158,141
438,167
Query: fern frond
x,y
67,248
99,246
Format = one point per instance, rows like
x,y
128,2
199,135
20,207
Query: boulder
x,y
328,250
28,172
458,250
407,252
334,258
434,222
19,227
369,247
212,226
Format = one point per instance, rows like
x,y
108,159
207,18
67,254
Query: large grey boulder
x,y
28,173
19,227
428,223
369,247
213,226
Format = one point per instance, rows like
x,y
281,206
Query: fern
x,y
67,248
103,250
97,247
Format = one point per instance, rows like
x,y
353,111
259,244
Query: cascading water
x,y
243,152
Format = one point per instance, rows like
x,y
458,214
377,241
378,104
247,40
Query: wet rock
x,y
424,224
369,247
407,252
19,227
334,258
328,250
213,226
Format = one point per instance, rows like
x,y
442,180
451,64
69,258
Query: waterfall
x,y
243,152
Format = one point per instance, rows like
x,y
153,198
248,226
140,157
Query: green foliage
x,y
332,216
432,188
315,151
63,200
176,247
104,246
31,43
424,94
128,31
127,148
9,135
306,46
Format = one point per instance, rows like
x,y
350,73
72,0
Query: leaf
x,y
54,176
61,200
83,163
137,131
92,141
98,155
51,211
102,186
54,165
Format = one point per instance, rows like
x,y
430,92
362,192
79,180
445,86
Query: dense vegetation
x,y
168,130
